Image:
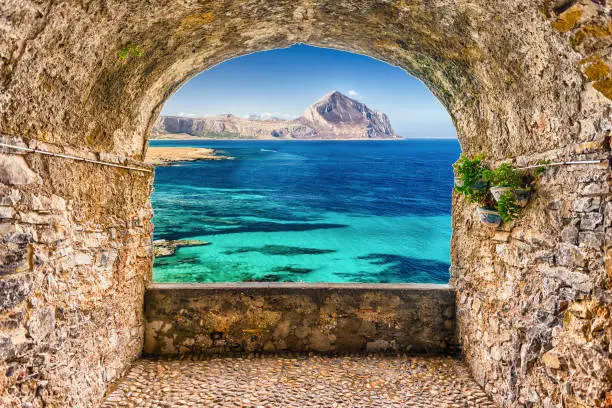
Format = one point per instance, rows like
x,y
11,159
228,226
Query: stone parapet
x,y
337,318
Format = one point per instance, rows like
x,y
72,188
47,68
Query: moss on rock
x,y
597,71
568,19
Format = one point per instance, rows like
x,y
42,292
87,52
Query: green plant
x,y
474,179
507,206
128,50
472,175
541,169
506,176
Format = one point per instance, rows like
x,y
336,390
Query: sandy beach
x,y
162,156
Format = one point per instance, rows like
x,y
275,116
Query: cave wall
x,y
522,80
75,258
534,295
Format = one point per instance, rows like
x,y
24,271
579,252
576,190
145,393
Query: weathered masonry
x,y
261,317
523,80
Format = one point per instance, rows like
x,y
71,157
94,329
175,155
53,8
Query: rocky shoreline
x,y
163,156
164,247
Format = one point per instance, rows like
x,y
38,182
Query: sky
x,y
284,82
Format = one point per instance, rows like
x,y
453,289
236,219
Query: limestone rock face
x,y
338,116
15,171
335,116
230,126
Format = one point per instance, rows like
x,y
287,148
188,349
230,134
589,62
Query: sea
x,y
308,211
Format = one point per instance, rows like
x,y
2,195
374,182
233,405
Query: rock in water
x,y
335,116
164,247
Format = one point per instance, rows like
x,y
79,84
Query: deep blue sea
x,y
312,211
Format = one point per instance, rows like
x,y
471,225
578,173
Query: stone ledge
x,y
300,285
226,318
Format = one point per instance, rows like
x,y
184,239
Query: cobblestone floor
x,y
316,381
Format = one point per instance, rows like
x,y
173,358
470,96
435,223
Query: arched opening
x,y
522,81
338,200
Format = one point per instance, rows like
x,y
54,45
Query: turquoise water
x,y
325,211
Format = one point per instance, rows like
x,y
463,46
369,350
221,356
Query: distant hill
x,y
335,116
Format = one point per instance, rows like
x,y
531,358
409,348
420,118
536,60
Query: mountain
x,y
338,115
335,116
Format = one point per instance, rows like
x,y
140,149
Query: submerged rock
x,y
164,247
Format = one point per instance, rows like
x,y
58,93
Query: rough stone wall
x,y
534,299
535,296
75,257
521,79
212,319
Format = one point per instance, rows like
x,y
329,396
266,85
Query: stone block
x,y
11,198
51,235
590,239
580,309
8,229
570,234
106,260
13,260
13,291
595,189
82,258
569,255
586,204
58,203
6,348
32,217
591,221
496,353
15,171
41,324
53,203
569,277
552,360
7,212
14,319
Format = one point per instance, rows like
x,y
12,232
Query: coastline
x,y
200,139
164,156
289,140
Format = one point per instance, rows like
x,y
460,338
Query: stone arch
x,y
521,80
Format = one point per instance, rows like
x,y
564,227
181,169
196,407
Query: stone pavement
x,y
299,381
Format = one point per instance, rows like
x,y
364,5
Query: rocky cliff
x,y
335,116
338,116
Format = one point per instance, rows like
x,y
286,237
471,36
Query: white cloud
x,y
185,114
353,92
268,115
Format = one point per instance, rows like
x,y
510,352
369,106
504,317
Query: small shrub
x,y
128,50
540,170
507,207
474,179
473,174
506,176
